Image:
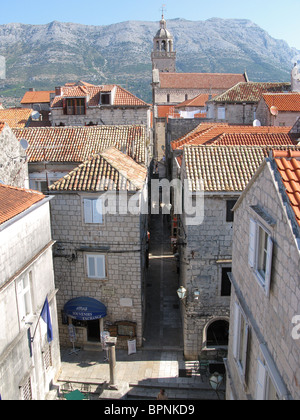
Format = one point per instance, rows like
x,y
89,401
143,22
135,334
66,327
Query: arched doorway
x,y
217,333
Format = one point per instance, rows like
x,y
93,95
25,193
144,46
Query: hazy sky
x,y
279,18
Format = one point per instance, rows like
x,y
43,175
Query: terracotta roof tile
x,y
198,101
37,97
250,92
110,170
76,144
121,96
15,117
199,80
14,201
225,168
285,102
209,133
221,168
288,165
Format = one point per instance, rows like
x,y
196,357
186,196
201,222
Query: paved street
x,y
160,364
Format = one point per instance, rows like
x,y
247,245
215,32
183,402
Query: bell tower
x,y
163,55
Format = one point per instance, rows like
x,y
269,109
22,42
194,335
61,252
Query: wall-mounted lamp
x,y
181,292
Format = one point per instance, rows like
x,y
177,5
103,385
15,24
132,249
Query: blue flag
x,y
45,315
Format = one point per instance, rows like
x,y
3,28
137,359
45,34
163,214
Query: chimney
x,y
31,89
58,91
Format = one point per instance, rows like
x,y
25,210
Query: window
x,y
26,390
47,357
105,98
93,211
229,213
221,113
41,186
226,283
240,345
24,296
265,388
260,254
96,266
168,98
75,106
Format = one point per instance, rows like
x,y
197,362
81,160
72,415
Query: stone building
x,y
279,109
163,55
13,159
54,151
170,88
82,104
264,345
29,361
218,174
100,224
238,105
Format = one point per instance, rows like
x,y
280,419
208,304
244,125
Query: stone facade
x,y
241,114
206,251
103,115
27,369
270,352
121,239
287,119
13,160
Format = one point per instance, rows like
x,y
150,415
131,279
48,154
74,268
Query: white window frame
x,y
24,296
240,340
91,214
99,272
255,253
221,113
264,383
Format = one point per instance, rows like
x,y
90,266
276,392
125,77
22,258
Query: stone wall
x,y
269,318
103,116
13,164
208,248
26,252
122,240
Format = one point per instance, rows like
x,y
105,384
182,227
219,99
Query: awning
x,y
85,309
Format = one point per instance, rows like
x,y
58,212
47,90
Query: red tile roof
x,y
110,170
14,201
250,92
15,117
200,80
121,96
285,102
37,97
288,164
198,101
76,144
208,133
2,125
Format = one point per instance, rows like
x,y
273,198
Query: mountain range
x,y
45,56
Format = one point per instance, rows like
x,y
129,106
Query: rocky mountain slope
x,y
47,55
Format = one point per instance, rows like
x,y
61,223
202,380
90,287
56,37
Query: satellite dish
x,y
35,115
24,144
256,123
274,111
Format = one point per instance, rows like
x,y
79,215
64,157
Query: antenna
x,y
24,144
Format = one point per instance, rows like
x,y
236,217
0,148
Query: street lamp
x,y
215,382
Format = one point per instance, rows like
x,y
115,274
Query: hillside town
x,y
152,251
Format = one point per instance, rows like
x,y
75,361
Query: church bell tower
x,y
163,55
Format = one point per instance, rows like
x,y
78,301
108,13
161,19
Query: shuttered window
x,y
93,211
260,254
96,266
